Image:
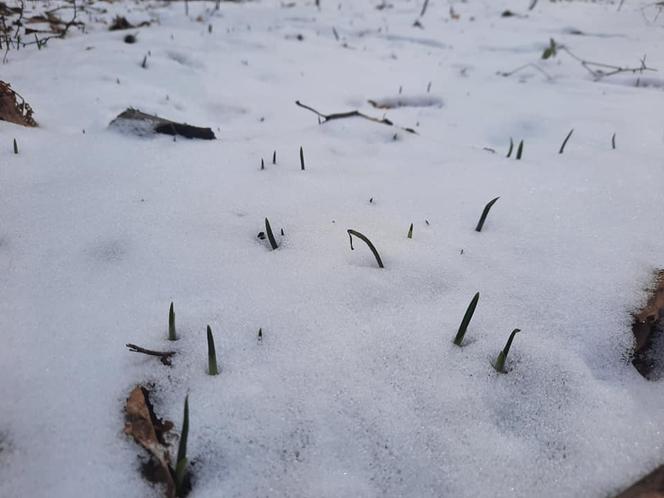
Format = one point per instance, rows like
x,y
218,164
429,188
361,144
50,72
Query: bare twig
x,y
164,356
57,32
324,118
525,66
600,70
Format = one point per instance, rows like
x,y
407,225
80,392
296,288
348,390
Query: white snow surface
x,y
356,389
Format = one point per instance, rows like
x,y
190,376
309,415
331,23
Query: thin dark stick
x,y
562,147
350,114
598,73
301,159
164,356
509,152
613,141
521,68
367,242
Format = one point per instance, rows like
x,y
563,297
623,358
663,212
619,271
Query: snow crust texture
x,y
356,388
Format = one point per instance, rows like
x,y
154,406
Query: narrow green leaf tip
x,y
458,339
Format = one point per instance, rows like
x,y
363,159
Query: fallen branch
x,y
164,356
597,69
525,66
350,114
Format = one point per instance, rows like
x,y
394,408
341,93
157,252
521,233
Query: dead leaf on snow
x,y
147,430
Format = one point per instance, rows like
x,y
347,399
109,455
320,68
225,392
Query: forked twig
x,y
350,114
164,356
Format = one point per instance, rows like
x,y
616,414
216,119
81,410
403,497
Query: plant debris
x,y
120,22
651,486
647,321
148,431
14,108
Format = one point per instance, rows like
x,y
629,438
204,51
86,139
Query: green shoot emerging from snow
x,y
301,158
367,242
270,235
410,231
260,335
480,223
499,365
172,336
466,320
562,147
613,141
551,50
15,147
181,462
212,354
509,152
519,150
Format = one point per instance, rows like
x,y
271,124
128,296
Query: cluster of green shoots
x,y
519,150
499,363
213,368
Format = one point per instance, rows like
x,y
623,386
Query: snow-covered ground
x,y
356,389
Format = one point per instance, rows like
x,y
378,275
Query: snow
x,y
356,388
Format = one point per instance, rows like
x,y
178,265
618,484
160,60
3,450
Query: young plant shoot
x,y
458,339
181,461
172,336
562,147
410,231
519,150
270,235
212,354
485,213
499,364
367,242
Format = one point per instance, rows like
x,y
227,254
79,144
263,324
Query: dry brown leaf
x,y
14,108
651,486
147,430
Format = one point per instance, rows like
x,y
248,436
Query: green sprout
x,y
509,152
551,50
562,147
274,157
262,164
485,213
499,364
519,150
260,335
613,141
212,354
367,242
15,147
172,336
466,320
302,158
181,462
410,231
270,235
